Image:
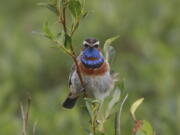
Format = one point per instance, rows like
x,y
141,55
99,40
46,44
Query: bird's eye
x,y
86,45
96,46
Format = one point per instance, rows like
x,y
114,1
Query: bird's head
x,y
91,56
91,43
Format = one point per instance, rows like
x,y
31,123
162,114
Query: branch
x,y
62,20
74,57
25,116
74,28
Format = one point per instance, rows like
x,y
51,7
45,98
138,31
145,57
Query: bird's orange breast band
x,y
94,71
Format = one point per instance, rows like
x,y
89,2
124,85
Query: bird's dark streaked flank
x,y
95,72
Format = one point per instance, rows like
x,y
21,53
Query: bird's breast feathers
x,y
94,71
98,81
92,62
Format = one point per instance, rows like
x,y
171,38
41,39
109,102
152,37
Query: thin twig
x,y
97,108
34,128
74,57
27,112
62,20
23,120
74,28
64,17
62,47
25,116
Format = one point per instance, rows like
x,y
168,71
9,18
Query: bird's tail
x,y
70,101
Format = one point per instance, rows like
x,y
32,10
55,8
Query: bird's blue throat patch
x,y
91,58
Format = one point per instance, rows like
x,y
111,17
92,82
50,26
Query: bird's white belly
x,y
95,86
98,86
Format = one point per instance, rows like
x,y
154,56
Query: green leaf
x,y
47,31
62,37
110,40
89,108
110,53
58,34
51,7
118,117
145,129
121,85
114,100
107,44
134,107
38,33
75,8
84,14
68,41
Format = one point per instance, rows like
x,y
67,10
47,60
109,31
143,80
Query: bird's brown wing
x,y
71,99
70,75
73,68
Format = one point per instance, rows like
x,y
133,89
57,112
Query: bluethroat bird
x,y
95,71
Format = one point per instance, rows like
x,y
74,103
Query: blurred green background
x,y
147,56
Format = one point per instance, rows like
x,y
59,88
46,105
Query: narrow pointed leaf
x,y
107,43
89,108
68,41
47,31
84,14
62,37
121,85
114,100
38,33
75,8
58,34
110,53
118,117
134,107
51,7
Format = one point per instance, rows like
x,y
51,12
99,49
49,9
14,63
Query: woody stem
x,y
62,20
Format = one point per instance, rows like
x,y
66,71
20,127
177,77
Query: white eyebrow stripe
x,y
85,42
97,42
